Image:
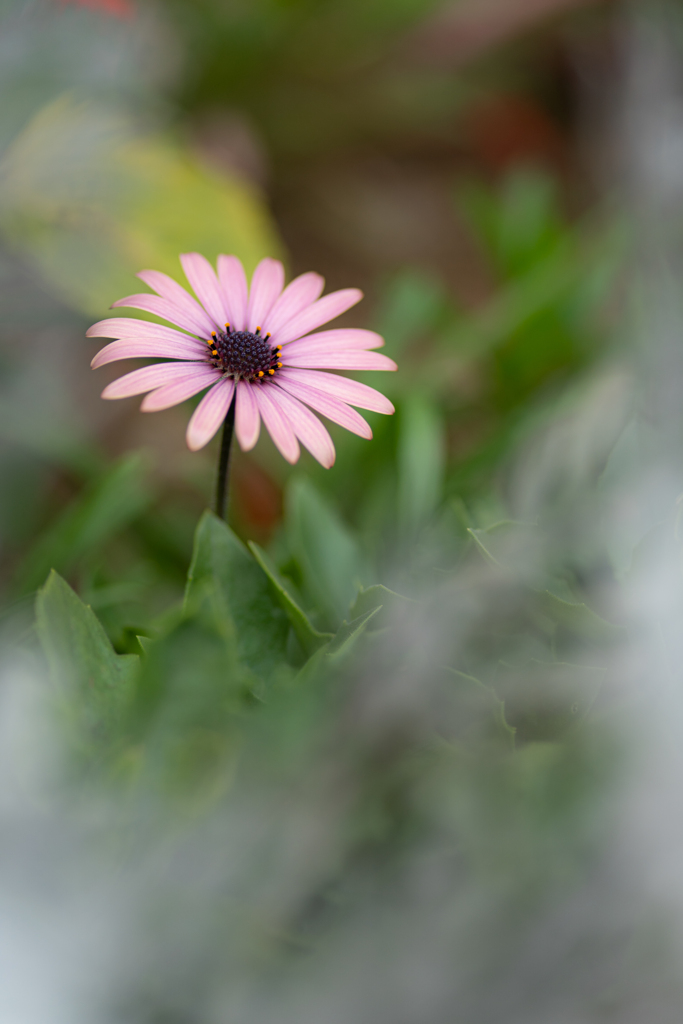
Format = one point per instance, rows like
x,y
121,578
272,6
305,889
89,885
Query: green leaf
x,y
377,597
509,545
543,700
341,645
240,592
325,549
190,702
92,202
478,706
309,637
578,618
505,544
103,510
94,681
349,633
421,462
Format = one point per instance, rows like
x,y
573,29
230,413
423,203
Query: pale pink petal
x,y
196,323
353,360
178,391
342,340
351,391
277,424
298,294
266,285
306,426
142,330
144,350
233,281
317,314
209,414
202,277
176,294
331,407
247,419
156,376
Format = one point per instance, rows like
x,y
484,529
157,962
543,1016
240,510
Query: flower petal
x,y
180,298
306,426
178,391
317,314
331,407
197,323
209,414
202,277
299,293
247,419
144,349
123,327
277,424
342,340
266,285
156,376
233,281
353,360
350,391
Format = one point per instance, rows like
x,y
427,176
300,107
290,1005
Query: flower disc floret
x,y
244,355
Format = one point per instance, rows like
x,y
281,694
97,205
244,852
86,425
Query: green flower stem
x,y
224,463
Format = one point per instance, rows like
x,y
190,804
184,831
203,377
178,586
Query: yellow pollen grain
x,y
271,371
260,373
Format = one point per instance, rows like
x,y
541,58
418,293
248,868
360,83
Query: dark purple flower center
x,y
243,355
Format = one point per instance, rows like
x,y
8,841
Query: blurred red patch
x,y
117,8
506,130
259,499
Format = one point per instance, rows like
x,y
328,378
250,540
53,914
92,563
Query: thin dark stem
x,y
224,463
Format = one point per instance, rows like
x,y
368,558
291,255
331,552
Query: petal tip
x,y
195,443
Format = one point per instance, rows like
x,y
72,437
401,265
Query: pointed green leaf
x,y
543,700
309,637
376,597
223,568
349,633
578,618
504,544
325,549
481,704
190,702
341,644
94,680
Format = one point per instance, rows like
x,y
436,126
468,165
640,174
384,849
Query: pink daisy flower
x,y
251,346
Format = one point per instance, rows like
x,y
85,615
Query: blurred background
x,y
471,811
457,162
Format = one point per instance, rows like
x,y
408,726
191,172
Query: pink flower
x,y
252,345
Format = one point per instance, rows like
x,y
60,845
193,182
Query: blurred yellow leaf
x,y
91,202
